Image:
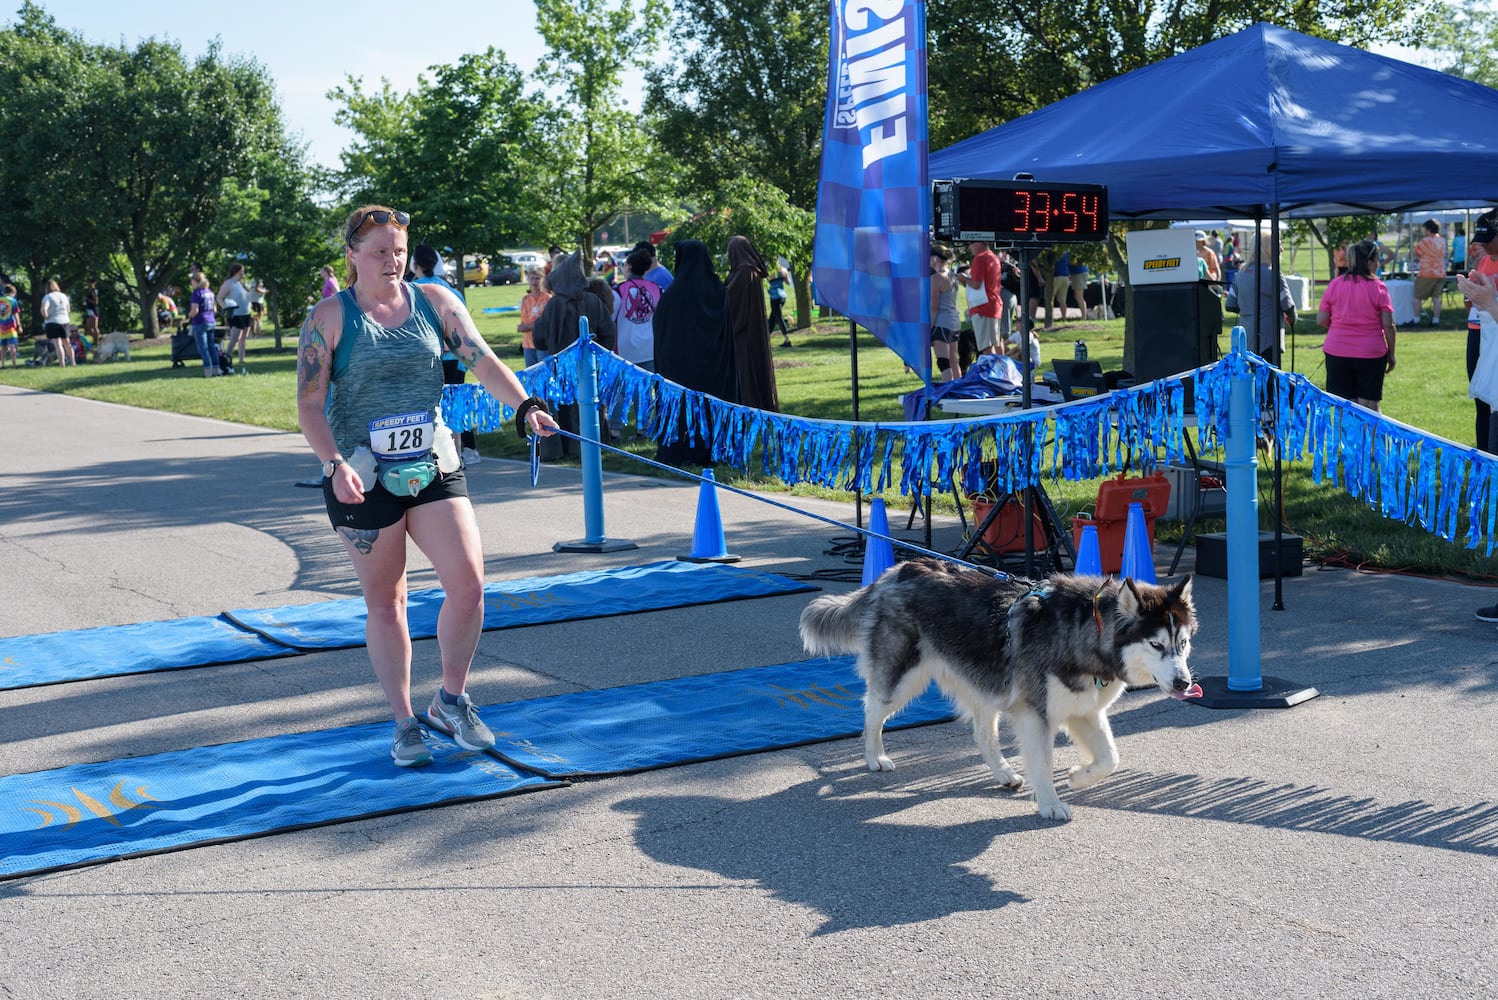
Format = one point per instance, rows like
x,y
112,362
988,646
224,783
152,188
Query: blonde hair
x,y
354,232
1259,246
52,285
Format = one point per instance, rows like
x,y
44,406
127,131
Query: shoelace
x,y
408,736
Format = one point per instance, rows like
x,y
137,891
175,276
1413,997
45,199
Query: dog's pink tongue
x,y
1194,691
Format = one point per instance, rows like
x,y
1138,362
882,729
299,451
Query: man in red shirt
x,y
985,285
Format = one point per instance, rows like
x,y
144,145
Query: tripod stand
x,y
1039,514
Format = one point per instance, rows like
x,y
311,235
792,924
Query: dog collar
x,y
1097,616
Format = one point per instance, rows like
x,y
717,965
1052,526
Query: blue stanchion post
x,y
1245,686
594,539
1242,470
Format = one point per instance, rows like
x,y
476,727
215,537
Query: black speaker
x,y
1176,328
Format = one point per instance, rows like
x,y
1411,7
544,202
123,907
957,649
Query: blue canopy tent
x,y
1266,121
1262,118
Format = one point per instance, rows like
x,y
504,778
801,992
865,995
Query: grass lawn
x,y
1428,390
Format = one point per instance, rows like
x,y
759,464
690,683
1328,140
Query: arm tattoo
x,y
362,539
465,344
312,360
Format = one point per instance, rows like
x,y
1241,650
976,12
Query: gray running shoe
x,y
409,748
461,722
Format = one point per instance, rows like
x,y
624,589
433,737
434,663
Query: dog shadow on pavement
x,y
844,854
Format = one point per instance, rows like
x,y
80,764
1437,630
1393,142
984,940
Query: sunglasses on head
x,y
379,217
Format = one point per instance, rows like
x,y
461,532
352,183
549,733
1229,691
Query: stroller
x,y
185,349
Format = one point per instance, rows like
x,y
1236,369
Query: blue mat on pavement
x,y
107,651
92,813
240,636
681,721
88,814
529,601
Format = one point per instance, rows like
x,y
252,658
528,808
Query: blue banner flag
x,y
871,256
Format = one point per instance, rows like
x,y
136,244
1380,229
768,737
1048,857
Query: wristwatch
x,y
331,466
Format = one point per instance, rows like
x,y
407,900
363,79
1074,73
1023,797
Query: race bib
x,y
405,435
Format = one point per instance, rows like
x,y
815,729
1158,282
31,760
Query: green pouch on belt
x,y
407,478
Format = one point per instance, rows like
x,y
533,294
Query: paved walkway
x,y
1344,848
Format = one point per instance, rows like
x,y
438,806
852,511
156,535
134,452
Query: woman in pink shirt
x,y
329,283
1359,320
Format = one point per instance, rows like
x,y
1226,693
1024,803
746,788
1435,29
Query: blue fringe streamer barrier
x,y
1401,472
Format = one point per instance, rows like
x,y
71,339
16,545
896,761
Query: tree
x,y
1461,41
158,139
271,218
374,164
756,209
48,228
475,133
761,211
600,159
454,153
761,117
990,62
746,96
1335,232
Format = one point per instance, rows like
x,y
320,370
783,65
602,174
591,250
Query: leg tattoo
x,y
362,539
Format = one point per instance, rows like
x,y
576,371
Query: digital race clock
x,y
1015,212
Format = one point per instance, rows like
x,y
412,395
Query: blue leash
x,y
536,476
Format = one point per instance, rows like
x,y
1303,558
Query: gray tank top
x,y
380,372
946,309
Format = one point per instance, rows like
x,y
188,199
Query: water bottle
x,y
1079,350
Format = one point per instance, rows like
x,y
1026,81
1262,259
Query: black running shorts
x,y
381,508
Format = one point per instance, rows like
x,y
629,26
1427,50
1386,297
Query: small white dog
x,y
112,345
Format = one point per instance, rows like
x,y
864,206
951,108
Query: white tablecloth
x,y
1403,295
1300,291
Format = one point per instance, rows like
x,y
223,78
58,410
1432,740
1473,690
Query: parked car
x,y
527,259
475,271
503,270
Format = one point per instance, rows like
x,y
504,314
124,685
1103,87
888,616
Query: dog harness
x,y
1042,591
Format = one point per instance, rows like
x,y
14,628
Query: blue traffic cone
x,y
1138,560
1089,554
708,544
878,553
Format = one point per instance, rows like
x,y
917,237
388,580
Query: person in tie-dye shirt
x,y
10,326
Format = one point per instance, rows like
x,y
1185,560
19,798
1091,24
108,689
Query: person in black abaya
x,y
751,331
694,346
558,328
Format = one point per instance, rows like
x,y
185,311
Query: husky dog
x,y
1052,654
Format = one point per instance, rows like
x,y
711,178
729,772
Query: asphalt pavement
x,y
1347,847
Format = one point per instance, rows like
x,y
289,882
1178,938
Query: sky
x,y
311,46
